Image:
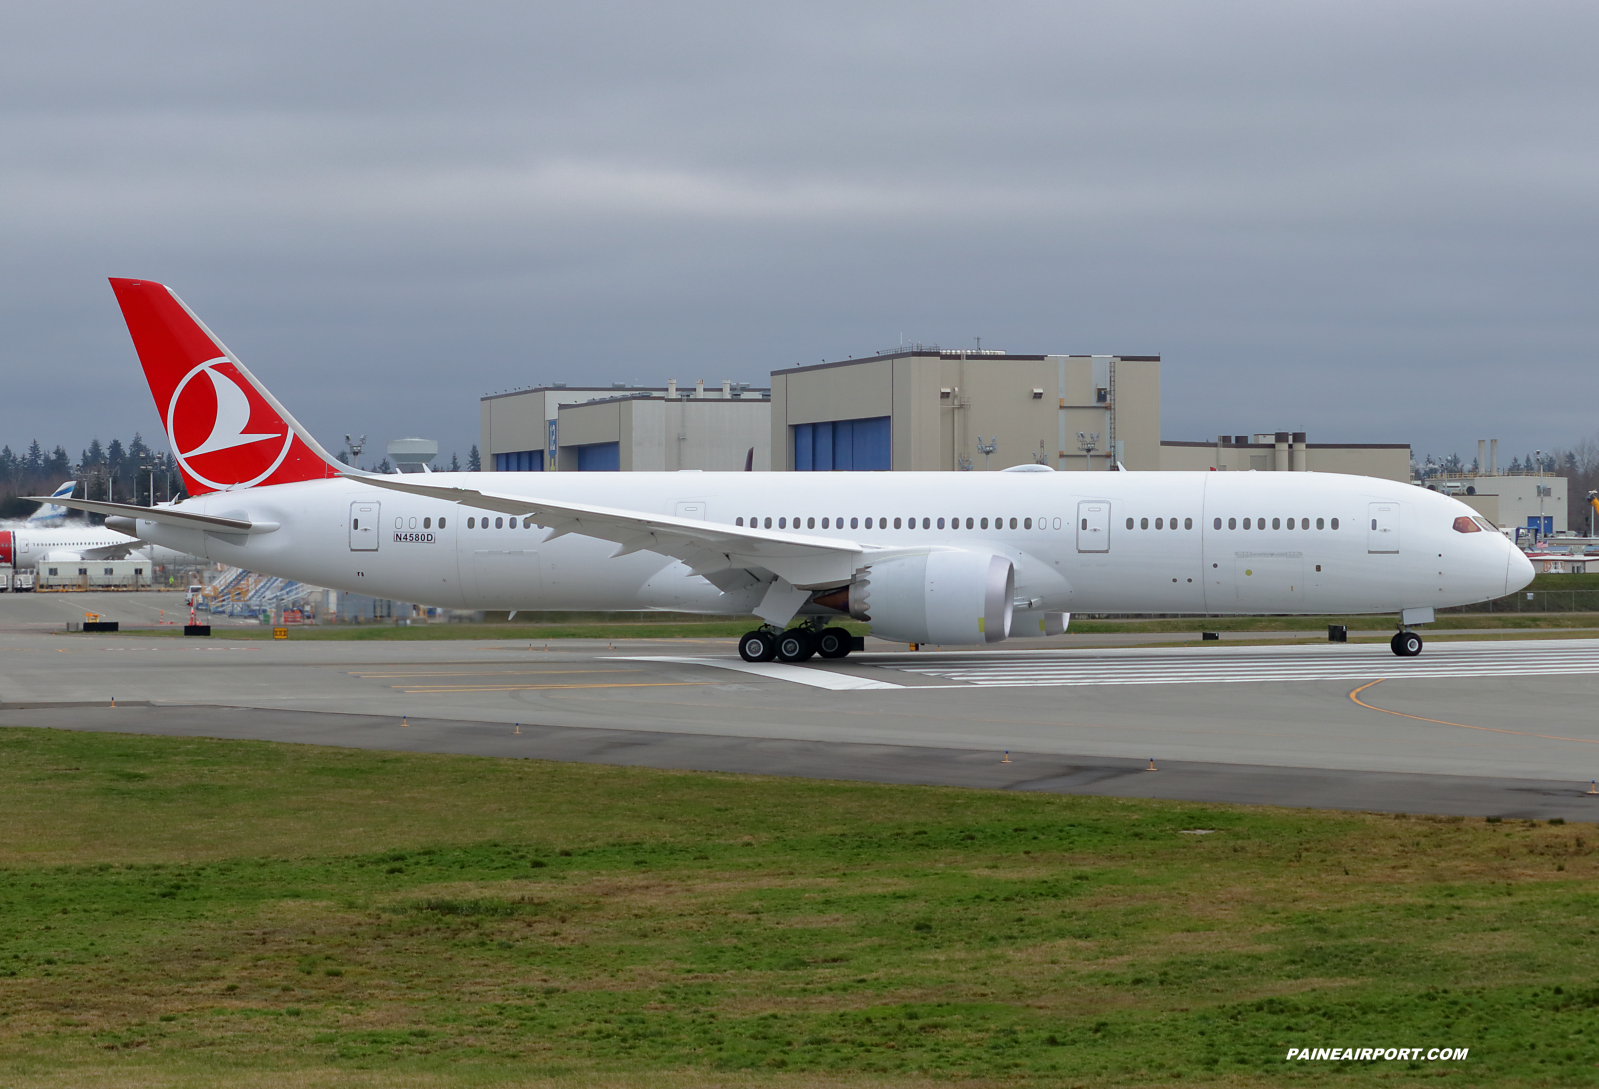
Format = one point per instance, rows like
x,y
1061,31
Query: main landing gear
x,y
794,644
1407,644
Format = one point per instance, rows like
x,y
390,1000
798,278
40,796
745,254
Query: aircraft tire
x,y
833,642
796,645
757,646
1407,644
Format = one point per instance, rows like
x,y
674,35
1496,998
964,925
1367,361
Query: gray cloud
x,y
1373,222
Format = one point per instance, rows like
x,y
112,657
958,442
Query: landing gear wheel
x,y
833,642
1407,644
796,645
757,646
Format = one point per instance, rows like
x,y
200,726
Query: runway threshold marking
x,y
438,689
1162,666
780,671
1355,695
484,673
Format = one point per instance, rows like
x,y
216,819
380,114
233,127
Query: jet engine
x,y
948,596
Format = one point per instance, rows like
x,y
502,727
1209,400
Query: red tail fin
x,y
226,430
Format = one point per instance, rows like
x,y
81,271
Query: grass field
x,y
198,912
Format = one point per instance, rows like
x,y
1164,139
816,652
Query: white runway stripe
x,y
1244,665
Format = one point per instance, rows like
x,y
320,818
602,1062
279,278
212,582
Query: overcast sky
x,y
1374,222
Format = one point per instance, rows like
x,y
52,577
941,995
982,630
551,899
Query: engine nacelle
x,y
952,597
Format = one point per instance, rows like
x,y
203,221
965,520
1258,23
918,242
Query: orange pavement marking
x,y
1355,695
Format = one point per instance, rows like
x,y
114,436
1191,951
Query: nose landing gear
x,y
1407,644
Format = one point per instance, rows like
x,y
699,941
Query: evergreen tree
x,y
1515,466
60,465
455,461
474,460
33,462
8,467
384,466
94,455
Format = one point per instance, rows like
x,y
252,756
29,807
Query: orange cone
x,y
405,720
1593,784
1007,757
1151,764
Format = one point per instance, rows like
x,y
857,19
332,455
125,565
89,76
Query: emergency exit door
x,y
1382,527
1093,526
364,526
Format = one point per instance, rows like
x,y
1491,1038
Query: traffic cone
x,y
518,729
405,720
1007,757
1151,764
1593,784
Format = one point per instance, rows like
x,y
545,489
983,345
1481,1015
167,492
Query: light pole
x,y
1086,442
356,446
987,448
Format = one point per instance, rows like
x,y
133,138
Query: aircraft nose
x,y
1518,570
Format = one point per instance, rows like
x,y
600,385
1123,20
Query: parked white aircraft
x,y
944,558
48,535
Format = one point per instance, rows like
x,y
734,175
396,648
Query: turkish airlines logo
x,y
223,432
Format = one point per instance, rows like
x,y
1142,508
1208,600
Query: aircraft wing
x,y
721,553
165,515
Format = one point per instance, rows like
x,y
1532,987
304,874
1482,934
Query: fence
x,y
1537,601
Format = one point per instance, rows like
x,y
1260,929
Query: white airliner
x,y
48,535
941,558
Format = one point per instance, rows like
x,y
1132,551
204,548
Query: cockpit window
x,y
1463,524
1485,524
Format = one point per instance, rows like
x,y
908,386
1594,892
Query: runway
x,y
1508,727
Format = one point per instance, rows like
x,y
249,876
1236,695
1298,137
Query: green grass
x,y
184,911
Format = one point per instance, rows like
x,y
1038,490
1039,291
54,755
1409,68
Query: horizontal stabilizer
x,y
166,516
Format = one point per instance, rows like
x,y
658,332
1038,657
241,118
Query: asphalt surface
x,y
1502,727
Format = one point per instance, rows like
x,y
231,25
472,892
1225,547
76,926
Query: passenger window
x,y
1260,523
471,523
1143,523
782,523
1160,523
969,524
1276,523
1321,524
927,523
1290,523
941,523
427,523
497,523
984,524
1374,523
1246,523
868,523
824,523
1013,523
738,521
1173,523
810,523
853,523
897,522
1129,523
1334,523
1218,523
1085,523
441,523
1027,523
768,522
